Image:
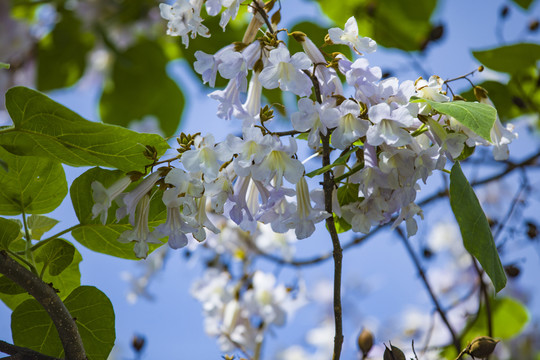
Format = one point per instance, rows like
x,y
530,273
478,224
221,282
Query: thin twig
x,y
455,339
47,297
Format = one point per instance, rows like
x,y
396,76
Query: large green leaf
x,y
392,23
9,231
475,116
68,280
510,58
508,317
62,53
9,287
104,238
33,184
56,254
95,320
140,87
39,224
32,327
42,127
474,227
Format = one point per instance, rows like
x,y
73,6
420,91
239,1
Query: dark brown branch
x,y
328,187
455,339
22,353
47,297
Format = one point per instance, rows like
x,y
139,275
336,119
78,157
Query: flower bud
x,y
481,347
365,341
394,353
480,93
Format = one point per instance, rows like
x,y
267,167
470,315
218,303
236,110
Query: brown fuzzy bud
x,y
298,36
276,18
394,353
480,68
258,66
480,93
481,347
365,341
458,98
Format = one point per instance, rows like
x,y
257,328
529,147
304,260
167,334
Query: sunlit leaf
x,y
510,58
56,255
475,116
32,184
39,224
139,77
474,227
42,127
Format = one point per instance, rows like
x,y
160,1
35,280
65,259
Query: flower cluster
x,y
381,136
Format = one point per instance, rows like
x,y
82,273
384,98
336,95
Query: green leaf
x,y
104,238
42,127
477,117
4,65
35,185
95,320
511,58
32,327
508,316
348,193
524,3
139,77
474,227
62,54
341,224
68,280
4,165
7,286
57,254
39,225
392,23
503,97
342,160
9,231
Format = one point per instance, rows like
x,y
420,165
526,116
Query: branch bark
x,y
22,353
328,188
47,297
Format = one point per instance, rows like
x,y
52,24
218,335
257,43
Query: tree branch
x,y
22,353
328,187
47,297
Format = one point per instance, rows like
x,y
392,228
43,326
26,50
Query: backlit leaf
x,y
33,184
42,127
510,58
474,227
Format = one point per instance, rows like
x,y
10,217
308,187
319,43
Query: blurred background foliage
x,y
52,43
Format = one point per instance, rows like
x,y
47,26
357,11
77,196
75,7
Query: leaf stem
x,y
28,252
45,241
